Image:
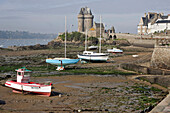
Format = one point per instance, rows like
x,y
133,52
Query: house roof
x,y
145,21
92,29
152,18
163,21
152,15
98,25
164,17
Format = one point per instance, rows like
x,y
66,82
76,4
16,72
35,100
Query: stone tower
x,y
85,19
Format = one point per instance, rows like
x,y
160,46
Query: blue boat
x,y
61,62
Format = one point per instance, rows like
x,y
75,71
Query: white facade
x,y
158,27
154,22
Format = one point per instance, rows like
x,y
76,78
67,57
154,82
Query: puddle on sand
x,y
54,81
61,82
77,87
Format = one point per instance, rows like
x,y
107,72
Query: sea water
x,y
4,43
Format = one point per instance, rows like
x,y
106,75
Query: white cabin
x,y
23,75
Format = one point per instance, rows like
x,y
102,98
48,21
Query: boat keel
x,y
59,68
19,92
46,94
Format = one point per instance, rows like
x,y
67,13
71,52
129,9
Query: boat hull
x,y
94,58
64,61
37,93
93,47
114,50
29,87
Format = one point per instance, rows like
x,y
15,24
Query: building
x,y
154,22
95,30
86,22
111,33
85,19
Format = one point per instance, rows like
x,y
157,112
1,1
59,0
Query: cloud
x,y
73,2
40,5
10,17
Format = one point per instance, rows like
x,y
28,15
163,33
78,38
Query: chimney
x,y
148,15
145,15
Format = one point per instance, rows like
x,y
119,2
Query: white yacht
x,y
92,56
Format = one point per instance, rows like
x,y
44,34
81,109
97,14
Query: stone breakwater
x,y
161,57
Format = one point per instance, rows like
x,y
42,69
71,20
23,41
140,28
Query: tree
x,y
94,40
76,36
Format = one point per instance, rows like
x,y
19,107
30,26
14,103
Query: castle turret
x,y
81,21
85,19
88,19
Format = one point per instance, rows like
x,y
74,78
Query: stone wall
x,y
161,57
145,70
141,41
158,79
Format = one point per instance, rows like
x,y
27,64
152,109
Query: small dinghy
x,y
115,50
22,84
93,47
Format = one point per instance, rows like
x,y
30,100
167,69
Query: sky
x,y
47,16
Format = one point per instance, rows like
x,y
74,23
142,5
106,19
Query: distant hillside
x,y
24,35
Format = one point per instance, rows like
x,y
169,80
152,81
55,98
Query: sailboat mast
x,y
65,34
100,36
86,41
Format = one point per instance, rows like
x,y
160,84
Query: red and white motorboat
x,y
22,84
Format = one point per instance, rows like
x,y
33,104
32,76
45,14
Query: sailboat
x,y
92,56
62,62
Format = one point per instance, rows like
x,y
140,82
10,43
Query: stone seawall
x,y
161,57
147,41
145,70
